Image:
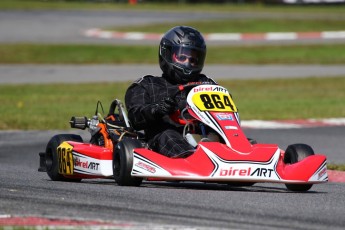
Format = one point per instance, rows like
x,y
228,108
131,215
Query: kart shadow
x,y
259,187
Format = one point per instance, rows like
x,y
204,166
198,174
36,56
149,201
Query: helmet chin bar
x,y
181,77
187,71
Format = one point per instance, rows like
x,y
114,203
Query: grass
x,y
112,54
338,167
76,54
289,98
252,25
47,107
229,7
51,106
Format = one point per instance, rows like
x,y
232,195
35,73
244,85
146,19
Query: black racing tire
x,y
51,156
293,154
123,162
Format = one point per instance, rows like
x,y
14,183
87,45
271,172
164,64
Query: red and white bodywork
x,y
232,159
218,162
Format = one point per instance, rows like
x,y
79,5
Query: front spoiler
x,y
206,165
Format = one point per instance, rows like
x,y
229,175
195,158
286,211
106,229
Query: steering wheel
x,y
178,116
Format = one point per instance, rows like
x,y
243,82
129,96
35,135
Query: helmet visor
x,y
190,59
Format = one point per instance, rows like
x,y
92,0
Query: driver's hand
x,y
166,106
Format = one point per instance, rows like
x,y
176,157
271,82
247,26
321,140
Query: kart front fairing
x,y
232,159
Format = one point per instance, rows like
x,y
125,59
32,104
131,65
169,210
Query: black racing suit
x,y
164,136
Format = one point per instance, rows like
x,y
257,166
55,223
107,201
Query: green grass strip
x,y
76,54
169,6
51,106
108,54
247,25
338,167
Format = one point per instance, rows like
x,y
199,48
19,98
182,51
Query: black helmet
x,y
182,52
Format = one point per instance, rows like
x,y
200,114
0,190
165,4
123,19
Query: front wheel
x,y
51,156
123,162
293,154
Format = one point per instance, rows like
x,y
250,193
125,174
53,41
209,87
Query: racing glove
x,y
166,106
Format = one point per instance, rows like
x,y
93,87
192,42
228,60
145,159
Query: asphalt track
x,y
41,74
26,192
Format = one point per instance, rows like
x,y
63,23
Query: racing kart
x,y
223,153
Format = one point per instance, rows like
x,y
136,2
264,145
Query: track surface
x,y
45,74
24,191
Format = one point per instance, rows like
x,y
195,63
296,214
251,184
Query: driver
x,y
150,100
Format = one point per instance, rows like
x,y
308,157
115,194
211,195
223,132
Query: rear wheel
x,y
123,162
51,156
293,154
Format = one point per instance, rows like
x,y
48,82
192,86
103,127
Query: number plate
x,y
65,159
214,101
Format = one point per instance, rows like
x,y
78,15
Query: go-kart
x,y
223,153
